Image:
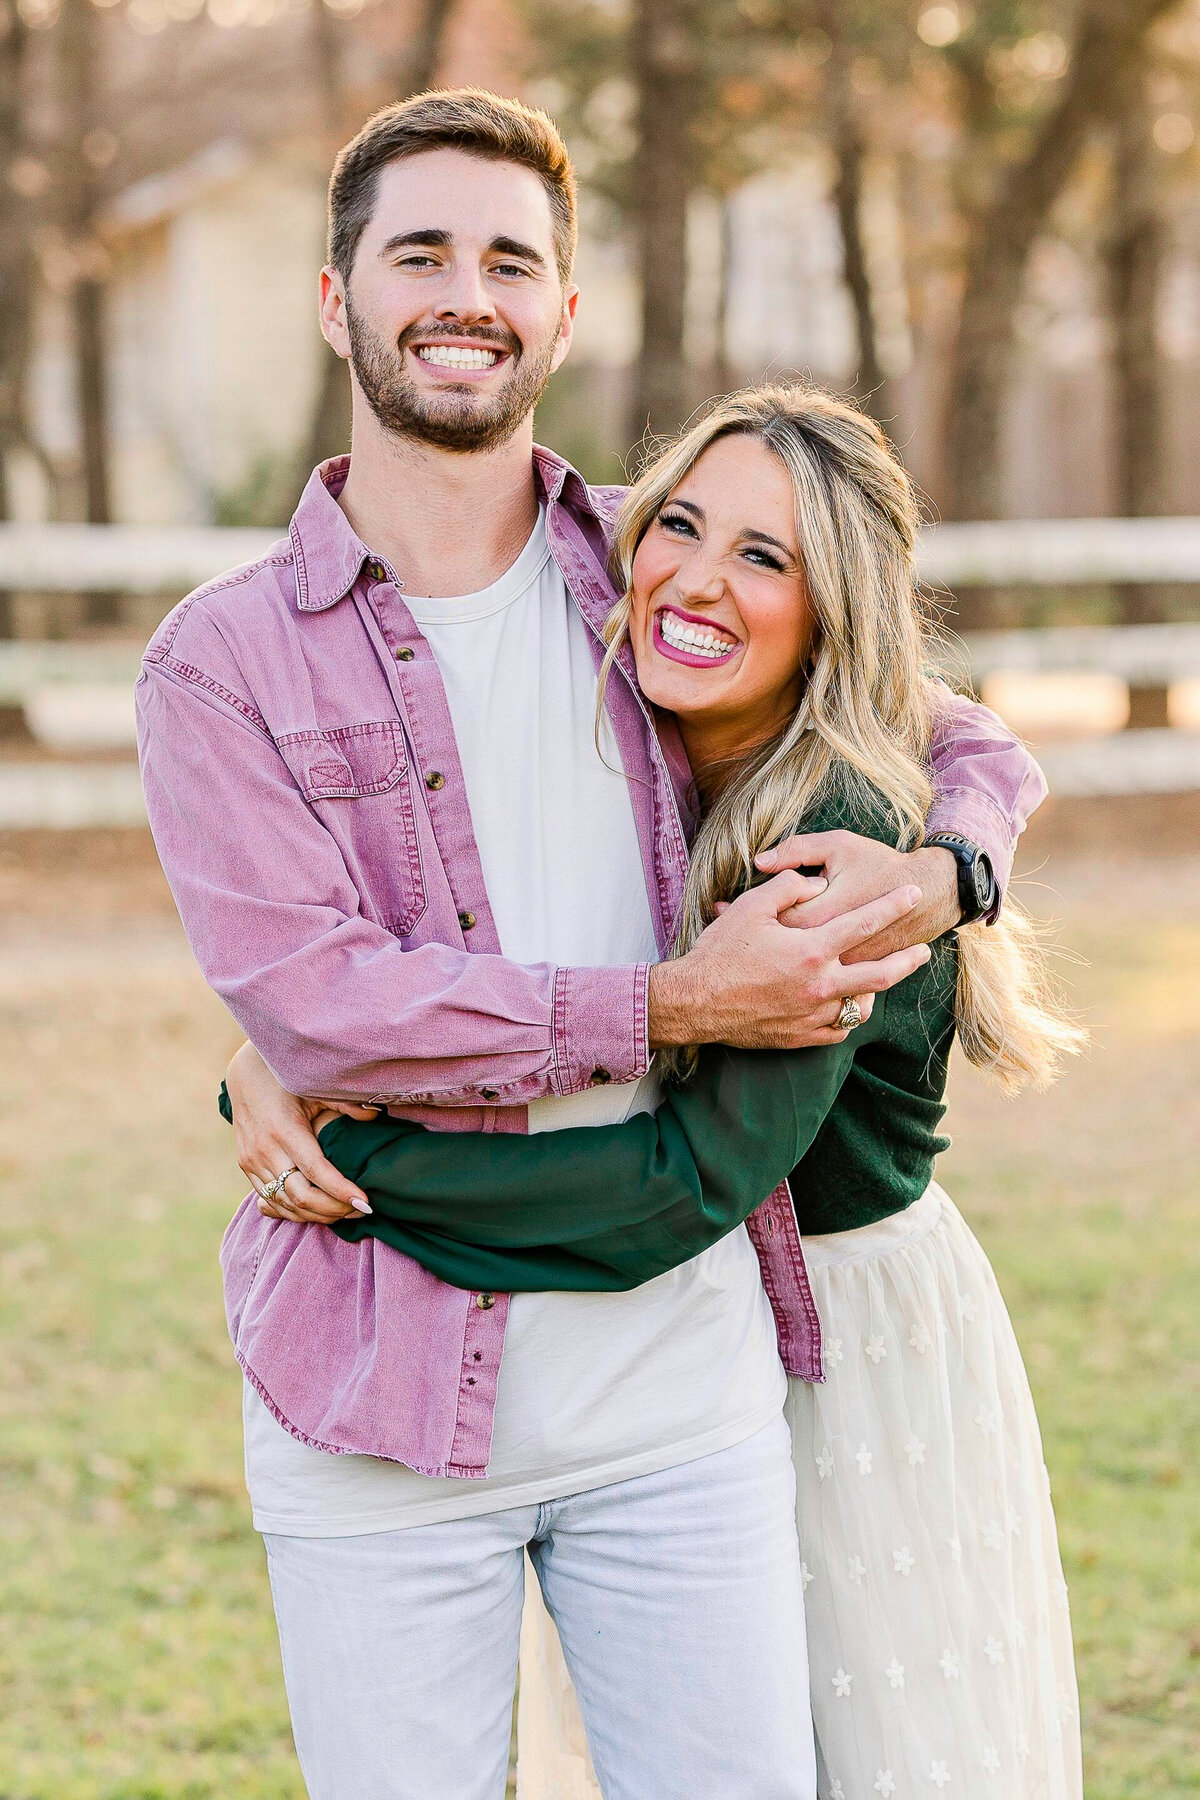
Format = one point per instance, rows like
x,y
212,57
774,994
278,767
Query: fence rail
x,y
77,696
171,559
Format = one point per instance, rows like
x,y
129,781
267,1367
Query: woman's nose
x,y
699,580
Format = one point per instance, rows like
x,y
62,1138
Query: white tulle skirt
x,y
939,1635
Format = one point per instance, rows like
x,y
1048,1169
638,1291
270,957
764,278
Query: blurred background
x,y
983,221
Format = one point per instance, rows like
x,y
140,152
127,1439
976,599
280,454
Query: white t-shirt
x,y
593,1388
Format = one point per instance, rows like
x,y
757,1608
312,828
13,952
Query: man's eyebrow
x,y
435,237
430,237
514,247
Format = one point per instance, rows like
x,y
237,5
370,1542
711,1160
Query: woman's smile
x,y
688,638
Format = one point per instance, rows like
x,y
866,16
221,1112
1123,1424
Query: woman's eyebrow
x,y
764,537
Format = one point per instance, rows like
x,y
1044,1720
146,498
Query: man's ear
x,y
566,329
334,328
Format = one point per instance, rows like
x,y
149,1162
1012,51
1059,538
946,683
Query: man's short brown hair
x,y
468,119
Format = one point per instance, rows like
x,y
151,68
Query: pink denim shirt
x,y
308,805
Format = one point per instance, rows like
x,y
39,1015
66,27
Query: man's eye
x,y
509,269
417,262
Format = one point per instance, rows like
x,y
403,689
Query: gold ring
x,y
850,1015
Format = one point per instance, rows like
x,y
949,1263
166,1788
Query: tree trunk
x,y
724,375
428,43
79,55
667,85
17,273
848,147
88,308
1136,250
1110,44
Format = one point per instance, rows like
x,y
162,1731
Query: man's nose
x,y
464,297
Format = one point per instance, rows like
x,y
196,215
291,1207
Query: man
x,y
402,862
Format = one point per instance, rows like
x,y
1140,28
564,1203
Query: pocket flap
x,y
347,761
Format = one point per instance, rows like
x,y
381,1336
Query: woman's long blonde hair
x,y
863,726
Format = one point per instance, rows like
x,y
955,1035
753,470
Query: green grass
x,y
137,1653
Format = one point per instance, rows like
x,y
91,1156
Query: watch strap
x,y
976,877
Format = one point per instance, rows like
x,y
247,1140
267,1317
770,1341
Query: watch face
x,y
982,875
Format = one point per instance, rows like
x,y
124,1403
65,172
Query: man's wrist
x,y
671,1005
936,874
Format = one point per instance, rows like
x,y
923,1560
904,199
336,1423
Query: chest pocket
x,y
357,780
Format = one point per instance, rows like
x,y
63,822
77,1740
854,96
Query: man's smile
x,y
460,358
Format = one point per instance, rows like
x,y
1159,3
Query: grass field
x,y
137,1656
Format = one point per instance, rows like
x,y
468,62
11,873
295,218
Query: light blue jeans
x,y
678,1599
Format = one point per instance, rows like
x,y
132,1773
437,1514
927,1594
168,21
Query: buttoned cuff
x,y
966,812
600,1032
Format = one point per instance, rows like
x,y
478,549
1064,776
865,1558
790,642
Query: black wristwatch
x,y
977,885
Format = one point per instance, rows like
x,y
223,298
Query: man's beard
x,y
450,420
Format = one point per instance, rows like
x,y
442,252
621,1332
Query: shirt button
x,y
490,1093
600,1077
466,920
404,654
377,572
485,1302
435,780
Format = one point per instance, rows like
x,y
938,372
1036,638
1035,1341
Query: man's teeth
x,y
445,356
700,640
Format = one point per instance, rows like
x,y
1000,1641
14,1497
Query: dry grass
x,y
137,1657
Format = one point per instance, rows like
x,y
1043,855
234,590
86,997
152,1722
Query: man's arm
x,y
986,785
611,1207
333,1001
274,1130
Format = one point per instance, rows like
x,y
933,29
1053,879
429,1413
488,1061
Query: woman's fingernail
x,y
766,859
819,883
361,1206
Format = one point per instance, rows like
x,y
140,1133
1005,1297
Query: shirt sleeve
x,y
605,1207
986,783
333,1002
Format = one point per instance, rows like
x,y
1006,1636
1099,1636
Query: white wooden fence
x,y
78,695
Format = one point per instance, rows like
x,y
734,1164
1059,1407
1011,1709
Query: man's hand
x,y
857,870
751,982
274,1131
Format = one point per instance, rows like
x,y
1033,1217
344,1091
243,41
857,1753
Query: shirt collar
x,y
330,554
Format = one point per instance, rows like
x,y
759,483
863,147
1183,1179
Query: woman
x,y
939,1641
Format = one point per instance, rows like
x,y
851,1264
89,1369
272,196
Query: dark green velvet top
x,y
854,1126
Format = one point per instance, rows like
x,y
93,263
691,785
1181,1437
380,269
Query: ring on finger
x,y
274,1188
850,1015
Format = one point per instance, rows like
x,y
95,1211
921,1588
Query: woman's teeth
x,y
443,356
701,640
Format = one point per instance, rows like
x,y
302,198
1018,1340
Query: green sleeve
x,y
605,1207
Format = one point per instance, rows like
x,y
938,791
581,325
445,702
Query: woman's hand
x,y
274,1131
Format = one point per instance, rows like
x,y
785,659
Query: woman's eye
x,y
765,560
677,522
